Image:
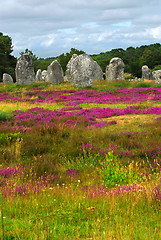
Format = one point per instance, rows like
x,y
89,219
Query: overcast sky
x,y
52,27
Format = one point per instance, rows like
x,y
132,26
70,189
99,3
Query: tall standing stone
x,y
146,73
7,78
82,70
24,71
68,67
55,73
44,75
39,75
115,70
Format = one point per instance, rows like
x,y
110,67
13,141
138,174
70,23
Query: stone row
x,y
147,74
81,71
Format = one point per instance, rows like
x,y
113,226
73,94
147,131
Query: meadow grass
x,y
64,175
62,212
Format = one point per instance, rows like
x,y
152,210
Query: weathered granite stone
x,y
65,79
98,73
157,76
146,73
115,69
68,67
82,70
44,75
39,75
25,70
55,73
7,78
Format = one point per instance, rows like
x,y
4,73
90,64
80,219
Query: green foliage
x,y
42,63
157,67
4,116
87,161
142,85
151,55
13,87
9,138
114,174
134,58
7,62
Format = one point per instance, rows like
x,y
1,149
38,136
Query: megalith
x,y
24,71
115,69
44,75
82,70
157,76
146,73
7,78
55,73
68,68
38,76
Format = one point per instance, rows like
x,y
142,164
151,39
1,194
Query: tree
x,y
42,63
147,58
31,54
7,61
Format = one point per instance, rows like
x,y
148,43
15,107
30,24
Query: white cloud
x,y
49,40
103,36
50,28
155,32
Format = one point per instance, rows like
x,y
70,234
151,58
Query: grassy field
x,y
80,163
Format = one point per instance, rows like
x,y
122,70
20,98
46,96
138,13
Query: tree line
x,y
134,58
7,61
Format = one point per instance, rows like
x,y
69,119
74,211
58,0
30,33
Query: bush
x,y
115,174
4,116
157,67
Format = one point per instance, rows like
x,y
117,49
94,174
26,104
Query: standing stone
x,y
82,70
65,79
146,73
115,70
44,75
25,70
55,73
98,73
7,78
157,76
38,76
68,67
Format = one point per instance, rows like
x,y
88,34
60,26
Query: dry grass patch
x,y
132,119
149,81
9,107
130,122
